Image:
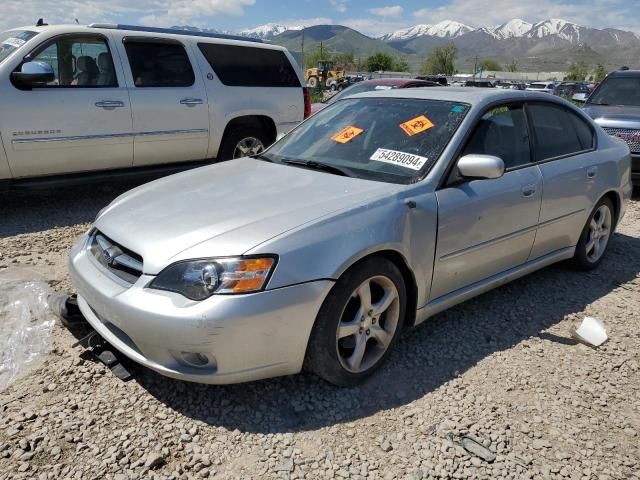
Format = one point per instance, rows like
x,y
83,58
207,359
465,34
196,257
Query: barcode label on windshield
x,y
402,159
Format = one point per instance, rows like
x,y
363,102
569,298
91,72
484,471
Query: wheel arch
x,y
617,205
263,122
399,260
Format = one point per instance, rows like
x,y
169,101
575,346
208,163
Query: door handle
x,y
592,172
189,102
110,104
528,190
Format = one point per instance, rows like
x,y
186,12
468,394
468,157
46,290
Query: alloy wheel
x,y
248,146
599,233
368,324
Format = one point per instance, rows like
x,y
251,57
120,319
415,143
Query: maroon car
x,y
371,85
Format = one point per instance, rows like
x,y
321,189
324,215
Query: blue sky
x,y
372,17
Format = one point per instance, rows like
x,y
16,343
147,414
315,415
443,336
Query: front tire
x,y
358,324
595,236
242,142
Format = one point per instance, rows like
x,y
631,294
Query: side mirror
x,y
33,74
580,97
481,166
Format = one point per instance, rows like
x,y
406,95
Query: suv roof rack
x,y
173,31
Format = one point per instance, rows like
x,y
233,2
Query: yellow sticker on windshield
x,y
347,134
416,125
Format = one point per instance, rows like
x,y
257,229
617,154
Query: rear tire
x,y
595,236
355,331
312,82
242,142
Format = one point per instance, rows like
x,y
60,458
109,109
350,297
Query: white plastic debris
x,y
26,324
591,331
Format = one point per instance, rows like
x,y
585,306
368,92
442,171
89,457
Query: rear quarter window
x,y
239,66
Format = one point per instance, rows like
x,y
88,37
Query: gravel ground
x,y
493,388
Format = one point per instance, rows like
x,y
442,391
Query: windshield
x,y
359,88
394,140
623,91
11,41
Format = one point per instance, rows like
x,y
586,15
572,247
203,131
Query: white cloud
x,y
373,27
158,12
306,22
390,11
339,5
598,13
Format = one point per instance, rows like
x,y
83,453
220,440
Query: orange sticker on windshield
x,y
347,134
416,125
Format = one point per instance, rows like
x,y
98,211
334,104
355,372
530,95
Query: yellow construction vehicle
x,y
324,74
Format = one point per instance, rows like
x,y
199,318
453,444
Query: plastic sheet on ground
x,y
26,326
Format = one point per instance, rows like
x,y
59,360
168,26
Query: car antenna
x,y
41,23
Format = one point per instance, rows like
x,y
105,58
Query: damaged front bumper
x,y
224,339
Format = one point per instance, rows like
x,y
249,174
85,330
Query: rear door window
x,y
238,66
558,132
159,64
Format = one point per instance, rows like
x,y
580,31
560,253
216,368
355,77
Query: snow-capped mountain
x,y
445,29
512,29
555,26
267,31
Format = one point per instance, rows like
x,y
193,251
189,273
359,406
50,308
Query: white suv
x,y
80,99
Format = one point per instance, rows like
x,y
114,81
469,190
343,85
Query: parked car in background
x,y
107,97
615,106
542,87
568,89
375,84
479,83
442,80
372,216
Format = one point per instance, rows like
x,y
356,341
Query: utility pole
x,y
475,67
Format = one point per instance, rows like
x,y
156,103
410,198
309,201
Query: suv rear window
x,y
159,64
238,66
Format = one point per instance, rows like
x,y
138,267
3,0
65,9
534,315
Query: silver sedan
x,y
370,217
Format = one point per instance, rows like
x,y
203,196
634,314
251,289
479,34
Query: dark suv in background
x,y
615,106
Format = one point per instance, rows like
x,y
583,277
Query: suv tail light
x,y
307,102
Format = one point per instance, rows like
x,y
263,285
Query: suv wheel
x,y
358,324
242,142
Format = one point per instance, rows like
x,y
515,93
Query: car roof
x,y
625,73
104,28
395,82
472,96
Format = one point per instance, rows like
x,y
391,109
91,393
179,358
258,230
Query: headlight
x,y
199,279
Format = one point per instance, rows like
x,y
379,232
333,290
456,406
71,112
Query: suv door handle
x,y
191,101
528,190
110,104
592,172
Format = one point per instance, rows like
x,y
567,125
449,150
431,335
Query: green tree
x,y
400,65
346,58
491,65
601,72
513,66
379,62
577,71
441,60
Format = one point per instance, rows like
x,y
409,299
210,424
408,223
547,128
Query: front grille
x,y
120,261
629,135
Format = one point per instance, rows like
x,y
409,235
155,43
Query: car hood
x,y
226,209
614,116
